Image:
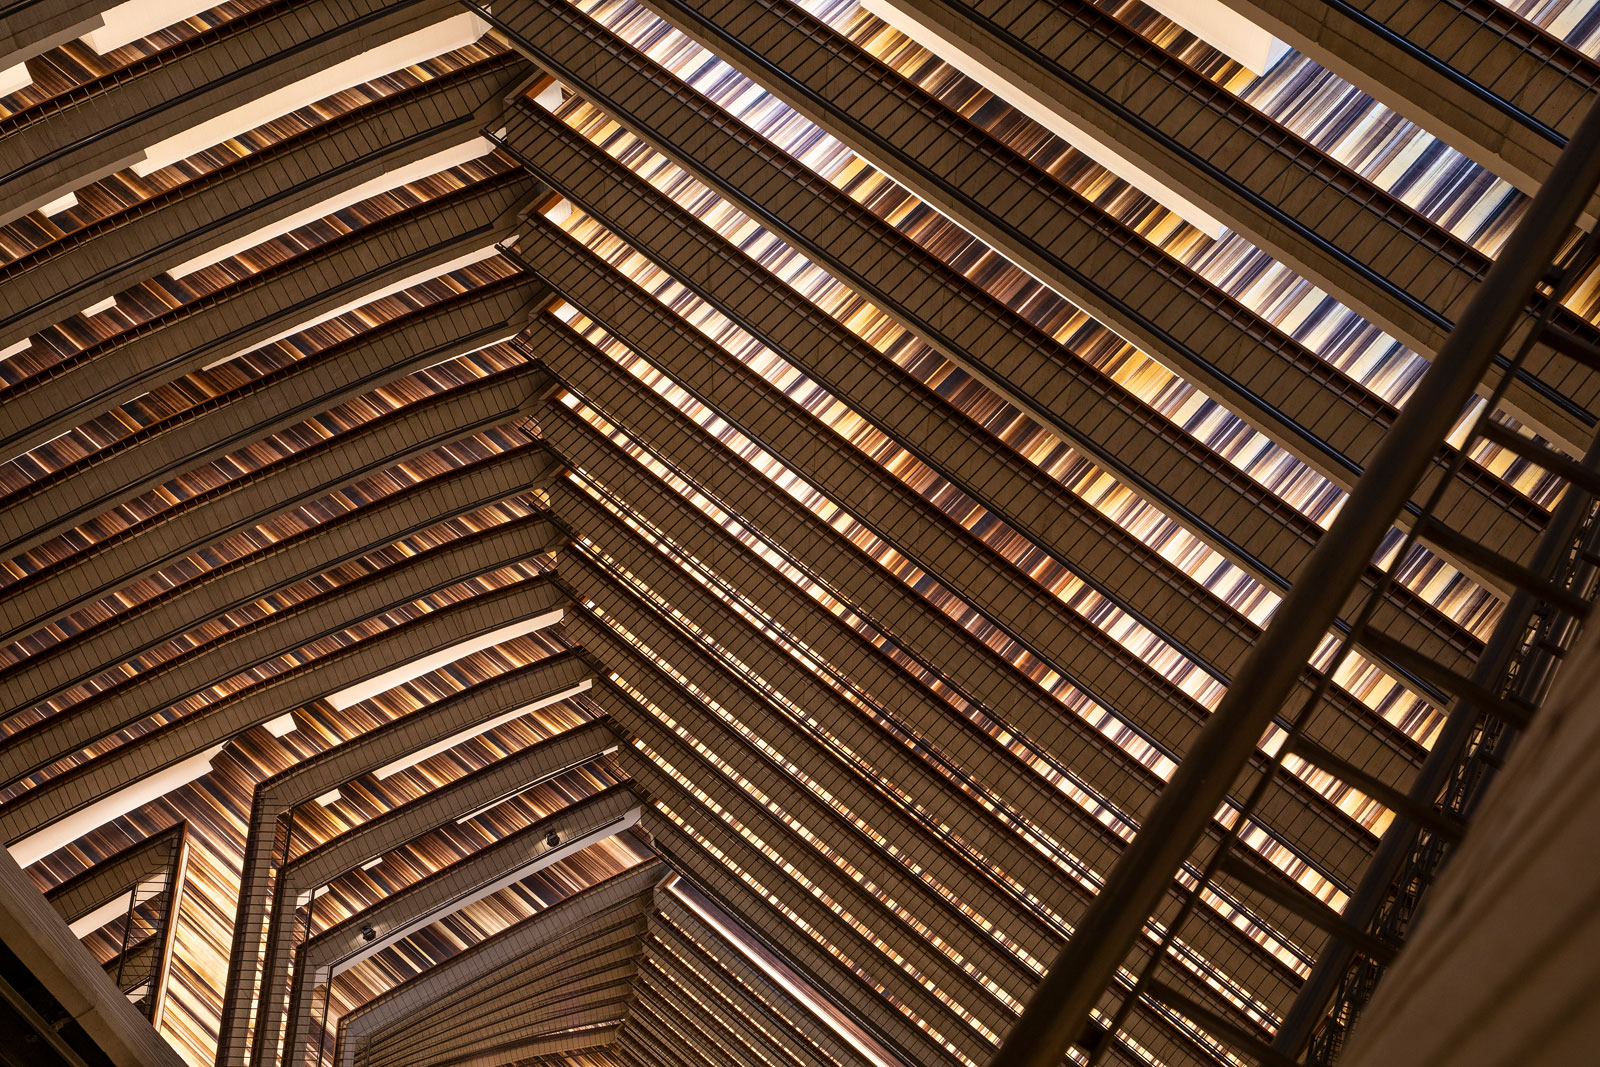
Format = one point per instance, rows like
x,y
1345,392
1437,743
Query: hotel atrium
x,y
690,533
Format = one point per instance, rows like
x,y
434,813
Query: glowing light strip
x,y
383,183
1224,29
1045,112
38,845
424,44
132,20
389,770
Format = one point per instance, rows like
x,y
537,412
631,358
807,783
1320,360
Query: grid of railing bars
x,y
1546,637
146,934
1551,600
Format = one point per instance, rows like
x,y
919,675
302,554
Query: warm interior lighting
x,y
1015,91
38,845
389,770
383,183
355,694
455,32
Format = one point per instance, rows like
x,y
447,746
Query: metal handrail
x,y
1056,1014
1470,748
1508,640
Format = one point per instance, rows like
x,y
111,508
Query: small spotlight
x,y
368,933
552,839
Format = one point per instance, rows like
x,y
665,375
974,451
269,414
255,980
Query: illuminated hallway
x,y
675,533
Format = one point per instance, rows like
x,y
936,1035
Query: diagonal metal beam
x,y
1079,975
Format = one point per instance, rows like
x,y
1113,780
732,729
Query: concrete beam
x,y
28,30
39,836
968,55
1367,248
